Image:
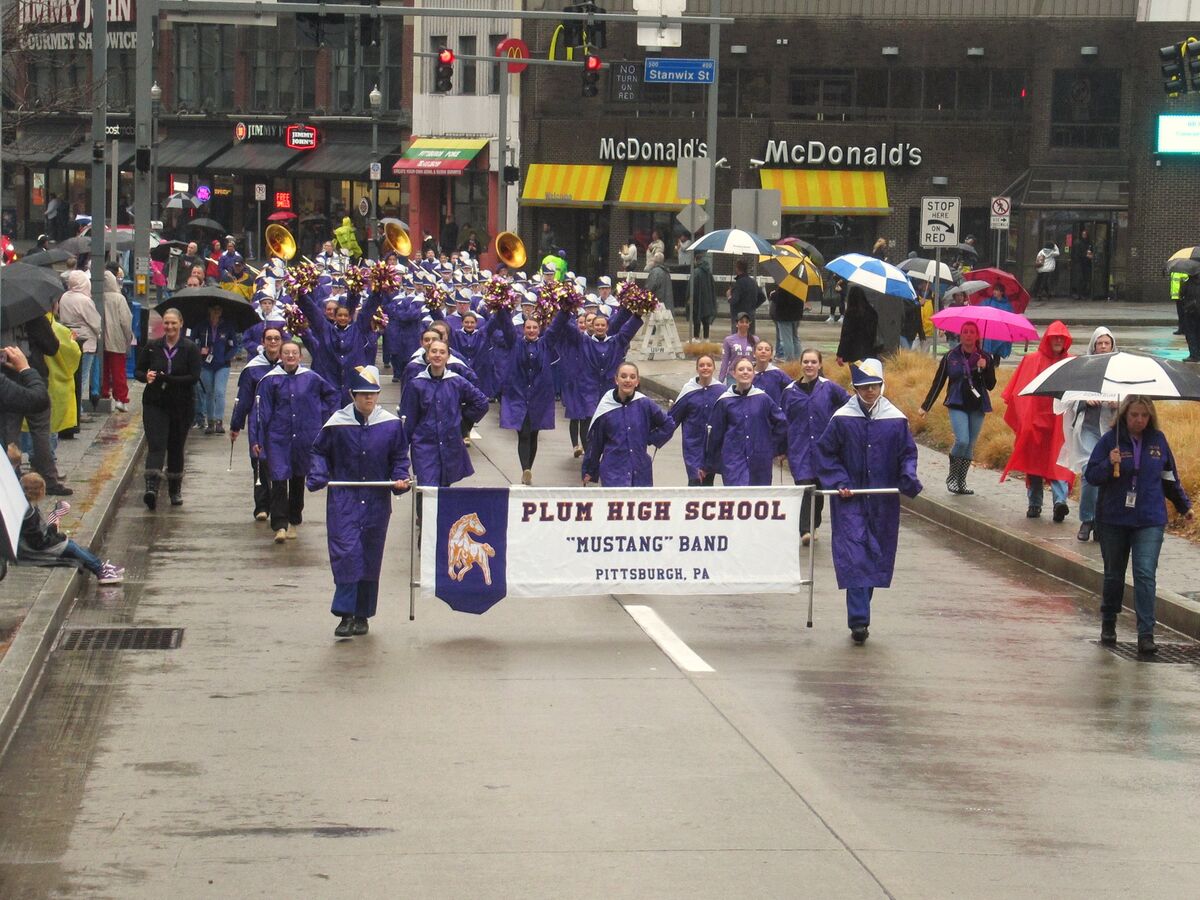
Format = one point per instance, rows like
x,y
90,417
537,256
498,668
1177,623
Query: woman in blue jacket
x,y
1135,470
690,413
748,432
527,399
437,406
218,342
971,374
809,403
624,423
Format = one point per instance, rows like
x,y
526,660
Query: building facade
x,y
855,111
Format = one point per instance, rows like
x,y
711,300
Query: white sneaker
x,y
281,535
527,477
110,573
291,532
830,320
121,407
260,516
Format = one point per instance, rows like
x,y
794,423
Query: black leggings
x,y
700,328
166,434
806,509
707,481
527,445
579,432
287,502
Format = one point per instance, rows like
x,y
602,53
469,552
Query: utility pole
x,y
99,136
714,53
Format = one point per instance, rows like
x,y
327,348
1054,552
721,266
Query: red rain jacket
x,y
1039,432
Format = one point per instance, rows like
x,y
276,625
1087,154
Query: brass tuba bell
x,y
280,241
396,240
511,250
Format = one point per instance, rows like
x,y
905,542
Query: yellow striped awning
x,y
829,192
651,187
547,184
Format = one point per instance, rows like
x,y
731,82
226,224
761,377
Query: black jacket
x,y
174,390
23,392
746,296
786,307
859,328
42,343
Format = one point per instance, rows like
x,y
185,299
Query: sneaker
x,y
111,574
210,428
121,407
805,539
220,428
1033,512
859,634
291,532
578,451
1060,511
466,442
260,516
360,625
281,535
527,477
58,489
830,320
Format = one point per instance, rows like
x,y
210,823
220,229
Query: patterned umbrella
x,y
874,275
792,271
923,269
1118,375
180,200
804,247
731,240
1185,253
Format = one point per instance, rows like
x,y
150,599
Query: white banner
x,y
556,542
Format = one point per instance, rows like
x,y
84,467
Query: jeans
x,y
1034,490
86,363
41,456
90,560
1088,494
214,382
858,605
785,341
1117,542
966,427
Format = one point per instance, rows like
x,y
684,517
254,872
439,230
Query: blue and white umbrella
x,y
731,240
873,274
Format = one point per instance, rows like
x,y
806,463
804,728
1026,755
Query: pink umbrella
x,y
994,324
281,216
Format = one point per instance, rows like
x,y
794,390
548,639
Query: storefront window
x,y
467,44
833,235
494,71
205,59
470,193
1086,109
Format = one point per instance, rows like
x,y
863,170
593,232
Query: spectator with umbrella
x,y
999,300
745,296
170,367
218,341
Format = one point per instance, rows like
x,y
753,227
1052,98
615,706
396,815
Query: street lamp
x,y
155,102
376,101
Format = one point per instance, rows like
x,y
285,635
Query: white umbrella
x,y
873,274
924,269
731,240
966,288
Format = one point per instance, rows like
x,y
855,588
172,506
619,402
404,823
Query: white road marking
x,y
668,641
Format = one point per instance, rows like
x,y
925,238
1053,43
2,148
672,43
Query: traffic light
x,y
512,174
577,33
1191,56
443,79
1174,78
591,75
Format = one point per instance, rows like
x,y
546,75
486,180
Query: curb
x,y
1173,610
21,667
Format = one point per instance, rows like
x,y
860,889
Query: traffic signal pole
x,y
179,10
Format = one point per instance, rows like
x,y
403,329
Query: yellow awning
x,y
548,184
651,187
829,192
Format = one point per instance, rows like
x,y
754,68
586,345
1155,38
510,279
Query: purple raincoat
x,y
527,390
356,519
289,410
748,432
467,346
773,380
243,406
860,452
690,412
617,439
432,410
808,414
592,363
252,336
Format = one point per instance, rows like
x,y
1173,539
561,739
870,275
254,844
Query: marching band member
x,y
243,408
808,403
252,337
768,376
360,442
624,423
691,411
292,401
527,401
420,359
468,340
437,406
346,344
867,445
593,362
748,431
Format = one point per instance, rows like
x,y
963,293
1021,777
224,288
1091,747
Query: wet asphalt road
x,y
980,744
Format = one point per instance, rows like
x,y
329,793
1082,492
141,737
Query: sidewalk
x,y
97,465
995,516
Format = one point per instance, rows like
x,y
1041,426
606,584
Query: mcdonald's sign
x,y
514,48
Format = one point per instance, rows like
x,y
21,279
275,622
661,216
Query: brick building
x,y
855,113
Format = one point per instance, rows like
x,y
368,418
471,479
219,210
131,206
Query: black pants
x,y
287,502
1191,329
700,328
806,509
707,481
1041,285
166,434
527,440
41,457
579,432
262,486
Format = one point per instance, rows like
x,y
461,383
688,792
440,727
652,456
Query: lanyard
x,y
170,355
1137,459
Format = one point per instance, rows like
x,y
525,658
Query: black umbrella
x,y
314,219
27,292
47,257
1117,375
162,252
194,304
964,250
1189,267
209,224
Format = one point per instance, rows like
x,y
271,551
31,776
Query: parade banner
x,y
558,542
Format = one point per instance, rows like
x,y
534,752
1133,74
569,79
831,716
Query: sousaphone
x,y
280,242
396,240
511,250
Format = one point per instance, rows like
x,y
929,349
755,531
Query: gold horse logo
x,y
463,552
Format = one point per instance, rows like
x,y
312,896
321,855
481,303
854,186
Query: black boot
x,y
1108,631
952,476
175,489
345,627
1146,645
150,497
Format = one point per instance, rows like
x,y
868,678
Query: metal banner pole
x,y
937,292
413,556
710,131
812,549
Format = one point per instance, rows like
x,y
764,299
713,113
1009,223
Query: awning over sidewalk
x,y
829,191
1070,187
188,152
548,184
250,156
37,148
341,159
438,156
80,157
651,187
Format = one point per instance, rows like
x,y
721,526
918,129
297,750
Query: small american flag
x,y
61,508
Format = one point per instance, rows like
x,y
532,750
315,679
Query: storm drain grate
x,y
1177,654
89,639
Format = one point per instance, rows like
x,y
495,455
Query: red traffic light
x,y
446,56
592,63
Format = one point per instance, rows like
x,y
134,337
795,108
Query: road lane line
x,y
668,641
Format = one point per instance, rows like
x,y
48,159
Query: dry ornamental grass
x,y
909,375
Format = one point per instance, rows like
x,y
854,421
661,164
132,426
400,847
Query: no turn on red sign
x,y
1001,212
